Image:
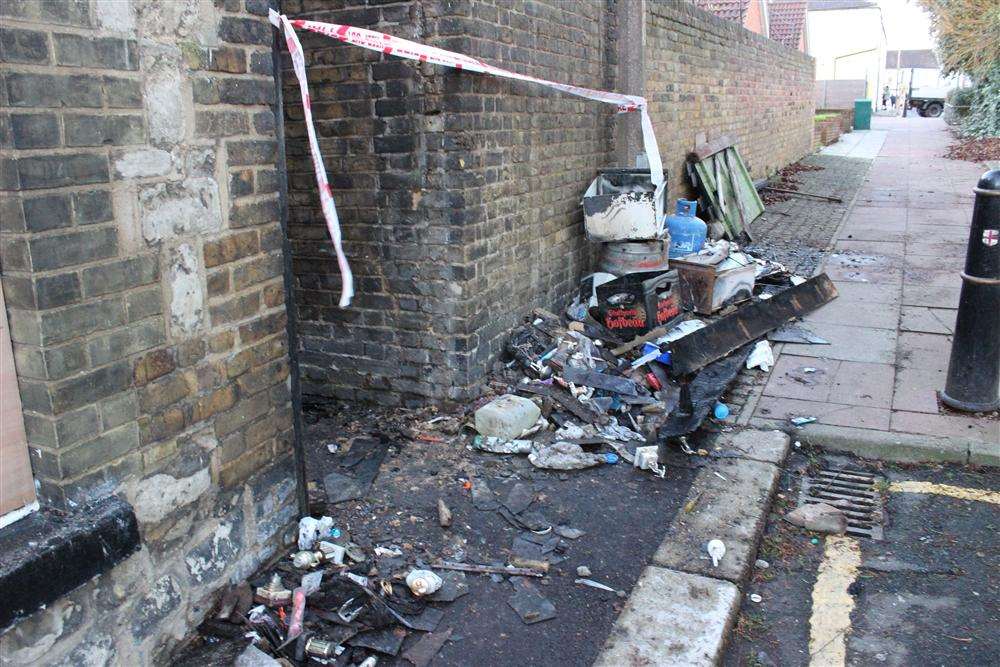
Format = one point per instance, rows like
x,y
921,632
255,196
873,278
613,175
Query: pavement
x,y
895,260
925,594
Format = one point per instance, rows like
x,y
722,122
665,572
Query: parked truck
x,y
929,100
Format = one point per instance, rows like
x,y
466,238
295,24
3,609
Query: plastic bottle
x,y
687,233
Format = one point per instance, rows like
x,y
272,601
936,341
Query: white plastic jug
x,y
507,417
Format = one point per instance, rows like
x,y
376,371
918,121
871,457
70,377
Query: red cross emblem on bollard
x,y
991,237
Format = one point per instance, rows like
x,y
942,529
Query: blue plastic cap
x,y
611,458
721,411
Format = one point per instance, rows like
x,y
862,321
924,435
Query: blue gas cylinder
x,y
687,233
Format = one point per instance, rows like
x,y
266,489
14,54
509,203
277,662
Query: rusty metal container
x,y
624,257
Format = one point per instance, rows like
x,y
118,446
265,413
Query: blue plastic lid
x,y
611,458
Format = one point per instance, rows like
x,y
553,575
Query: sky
x,y
907,26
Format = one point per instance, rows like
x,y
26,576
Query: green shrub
x,y
962,97
983,119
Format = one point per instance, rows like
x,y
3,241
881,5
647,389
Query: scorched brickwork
x,y
142,271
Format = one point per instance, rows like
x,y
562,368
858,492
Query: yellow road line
x,y
831,603
960,492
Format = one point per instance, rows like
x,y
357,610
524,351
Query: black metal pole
x,y
974,368
291,306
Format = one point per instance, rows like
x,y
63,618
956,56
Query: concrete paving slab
x,y
858,383
873,315
862,267
730,506
849,343
764,446
885,248
922,319
833,414
925,351
953,217
936,234
877,215
946,426
865,231
931,296
916,389
790,379
865,293
943,251
671,619
864,144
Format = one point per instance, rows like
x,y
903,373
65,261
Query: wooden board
x,y
702,347
725,183
17,487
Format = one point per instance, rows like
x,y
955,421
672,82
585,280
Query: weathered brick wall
x,y
706,77
459,194
142,269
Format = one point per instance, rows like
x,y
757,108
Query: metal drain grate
x,y
854,493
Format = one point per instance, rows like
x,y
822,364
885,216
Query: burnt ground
x,y
798,231
927,594
624,513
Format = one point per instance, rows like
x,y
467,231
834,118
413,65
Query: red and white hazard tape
x,y
403,48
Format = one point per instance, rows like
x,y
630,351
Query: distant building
x,y
783,21
848,40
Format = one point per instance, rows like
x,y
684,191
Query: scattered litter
x,y
496,445
311,582
818,517
796,333
506,417
563,456
648,458
583,571
444,514
423,652
721,411
761,564
761,356
716,550
754,597
802,421
569,533
423,582
482,496
600,586
530,605
254,657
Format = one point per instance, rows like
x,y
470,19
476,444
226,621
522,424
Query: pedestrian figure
x,y
885,96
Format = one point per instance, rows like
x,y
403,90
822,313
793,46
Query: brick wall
x,y
142,270
706,77
459,194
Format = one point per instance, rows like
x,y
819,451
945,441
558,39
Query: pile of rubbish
x,y
638,362
592,393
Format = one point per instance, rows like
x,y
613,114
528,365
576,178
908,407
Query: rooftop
x,y
733,10
787,21
827,5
